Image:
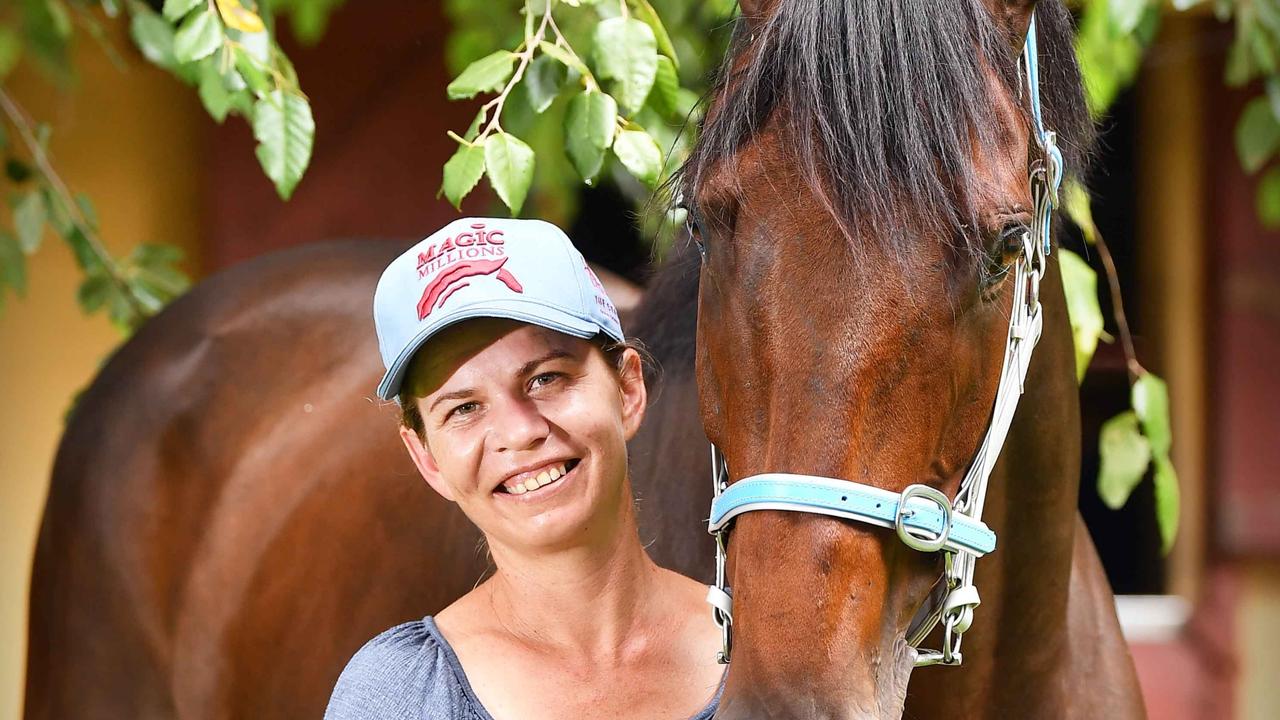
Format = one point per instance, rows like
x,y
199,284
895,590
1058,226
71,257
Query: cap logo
x,y
602,298
455,278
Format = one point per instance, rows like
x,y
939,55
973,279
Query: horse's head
x,y
860,192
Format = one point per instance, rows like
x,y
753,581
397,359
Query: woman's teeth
x,y
542,479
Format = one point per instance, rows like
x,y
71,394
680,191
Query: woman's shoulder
x,y
404,673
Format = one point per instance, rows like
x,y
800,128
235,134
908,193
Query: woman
x,y
518,395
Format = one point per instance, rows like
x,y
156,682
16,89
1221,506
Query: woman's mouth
x,y
534,481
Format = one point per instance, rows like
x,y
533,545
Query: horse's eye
x,y
1012,239
1004,251
695,231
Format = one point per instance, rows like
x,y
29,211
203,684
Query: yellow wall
x,y
132,139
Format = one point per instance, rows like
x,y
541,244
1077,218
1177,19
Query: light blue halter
x,y
922,516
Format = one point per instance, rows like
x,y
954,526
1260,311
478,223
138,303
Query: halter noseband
x,y
923,517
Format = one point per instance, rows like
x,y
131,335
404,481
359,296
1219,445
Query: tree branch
x,y
1117,308
18,118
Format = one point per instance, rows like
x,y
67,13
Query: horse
x,y
870,201
231,515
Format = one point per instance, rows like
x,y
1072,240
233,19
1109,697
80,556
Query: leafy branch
x,y
629,88
223,47
93,254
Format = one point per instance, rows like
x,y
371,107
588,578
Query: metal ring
x,y
916,541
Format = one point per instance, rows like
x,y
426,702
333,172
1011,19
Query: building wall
x,y
133,140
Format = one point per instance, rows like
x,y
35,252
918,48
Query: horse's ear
x,y
1015,17
755,11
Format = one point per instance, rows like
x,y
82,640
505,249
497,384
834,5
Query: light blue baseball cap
x,y
525,270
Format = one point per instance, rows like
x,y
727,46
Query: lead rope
x,y
953,600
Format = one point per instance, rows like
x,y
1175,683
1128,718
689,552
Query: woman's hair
x,y
613,350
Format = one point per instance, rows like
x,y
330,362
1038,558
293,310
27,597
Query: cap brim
x,y
511,309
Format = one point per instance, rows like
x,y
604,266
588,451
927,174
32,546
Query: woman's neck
x,y
590,598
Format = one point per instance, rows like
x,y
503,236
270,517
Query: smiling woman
x,y
518,393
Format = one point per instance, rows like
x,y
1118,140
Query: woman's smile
x,y
540,482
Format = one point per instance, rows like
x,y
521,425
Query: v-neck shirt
x,y
411,672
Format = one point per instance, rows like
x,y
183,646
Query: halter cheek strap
x,y
922,516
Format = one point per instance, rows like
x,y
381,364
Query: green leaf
x,y
543,80
61,18
646,14
1125,454
1168,501
285,130
590,123
564,56
463,171
152,255
29,216
665,96
1079,208
1081,285
175,10
1150,397
154,38
1257,135
16,170
86,257
488,74
253,73
518,116
94,291
626,52
509,163
1127,13
199,36
473,130
10,50
1268,199
217,99
87,210
1273,95
154,275
639,154
13,263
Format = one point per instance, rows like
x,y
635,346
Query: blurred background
x,y
1200,274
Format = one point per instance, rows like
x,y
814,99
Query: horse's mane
x,y
883,100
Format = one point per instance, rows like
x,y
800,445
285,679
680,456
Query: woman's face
x,y
526,429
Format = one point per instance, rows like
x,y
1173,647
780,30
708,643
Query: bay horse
x,y
869,198
231,515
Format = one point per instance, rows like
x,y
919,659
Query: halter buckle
x,y
917,539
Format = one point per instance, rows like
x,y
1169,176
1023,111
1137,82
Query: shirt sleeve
x,y
390,678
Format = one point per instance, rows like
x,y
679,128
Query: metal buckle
x,y
723,616
916,540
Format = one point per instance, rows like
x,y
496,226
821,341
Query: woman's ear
x,y
635,397
425,462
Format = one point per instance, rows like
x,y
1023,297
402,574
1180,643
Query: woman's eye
x,y
543,380
465,408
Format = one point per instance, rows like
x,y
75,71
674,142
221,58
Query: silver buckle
x,y
919,539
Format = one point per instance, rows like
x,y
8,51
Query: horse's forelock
x,y
884,100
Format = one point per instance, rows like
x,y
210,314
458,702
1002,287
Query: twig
x,y
564,45
1117,308
19,120
526,55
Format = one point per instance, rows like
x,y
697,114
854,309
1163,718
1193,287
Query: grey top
x,y
410,672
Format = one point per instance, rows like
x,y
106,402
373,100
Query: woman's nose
x,y
520,425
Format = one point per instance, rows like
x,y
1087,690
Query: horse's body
x,y
231,516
